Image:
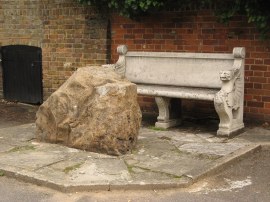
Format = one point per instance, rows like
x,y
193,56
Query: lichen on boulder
x,y
94,110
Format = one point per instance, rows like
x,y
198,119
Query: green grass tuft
x,y
2,173
22,148
157,128
70,168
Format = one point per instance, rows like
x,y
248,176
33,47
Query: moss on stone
x,y
71,168
157,128
22,148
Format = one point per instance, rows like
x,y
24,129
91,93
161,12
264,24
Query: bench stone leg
x,y
169,112
231,119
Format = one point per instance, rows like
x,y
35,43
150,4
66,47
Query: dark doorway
x,y
22,73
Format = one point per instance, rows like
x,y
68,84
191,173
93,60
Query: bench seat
x,y
177,92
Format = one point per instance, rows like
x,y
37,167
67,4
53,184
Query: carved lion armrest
x,y
231,88
229,75
229,100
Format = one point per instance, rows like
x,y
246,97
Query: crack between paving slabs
x,y
49,165
129,167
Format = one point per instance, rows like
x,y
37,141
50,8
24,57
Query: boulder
x,y
94,110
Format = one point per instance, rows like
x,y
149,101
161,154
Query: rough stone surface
x,y
94,110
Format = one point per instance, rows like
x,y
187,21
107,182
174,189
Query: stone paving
x,y
161,159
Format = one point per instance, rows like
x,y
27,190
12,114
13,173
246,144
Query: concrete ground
x,y
246,180
162,159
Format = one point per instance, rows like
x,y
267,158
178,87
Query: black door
x,y
22,73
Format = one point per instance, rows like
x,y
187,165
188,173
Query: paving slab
x,y
20,133
254,135
161,159
213,150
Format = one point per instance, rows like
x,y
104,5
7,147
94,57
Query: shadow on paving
x,y
12,114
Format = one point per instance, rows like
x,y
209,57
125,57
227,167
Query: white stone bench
x,y
200,76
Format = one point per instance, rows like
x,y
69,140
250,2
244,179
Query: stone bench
x,y
200,76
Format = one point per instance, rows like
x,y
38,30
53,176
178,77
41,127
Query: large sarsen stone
x,y
94,110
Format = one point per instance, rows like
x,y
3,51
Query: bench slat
x,y
222,56
177,92
174,71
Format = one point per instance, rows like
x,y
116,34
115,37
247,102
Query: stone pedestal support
x,y
169,112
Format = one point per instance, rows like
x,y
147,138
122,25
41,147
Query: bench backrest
x,y
179,69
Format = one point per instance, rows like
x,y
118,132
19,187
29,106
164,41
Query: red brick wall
x,y
74,36
69,34
199,31
20,24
